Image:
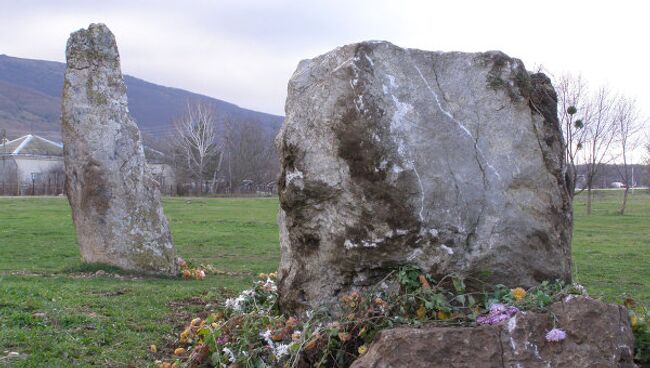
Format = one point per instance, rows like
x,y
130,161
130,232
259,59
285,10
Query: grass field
x,y
56,312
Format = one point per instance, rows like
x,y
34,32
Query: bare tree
x,y
196,139
600,129
628,125
572,98
647,164
250,155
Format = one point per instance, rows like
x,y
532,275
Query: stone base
x,y
598,335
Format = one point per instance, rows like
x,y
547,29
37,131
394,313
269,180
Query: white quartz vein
x,y
452,118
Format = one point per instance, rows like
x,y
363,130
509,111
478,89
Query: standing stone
x,y
451,162
115,201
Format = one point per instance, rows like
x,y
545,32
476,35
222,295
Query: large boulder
x,y
115,201
451,162
598,335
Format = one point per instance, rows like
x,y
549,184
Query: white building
x,y
34,165
31,165
161,171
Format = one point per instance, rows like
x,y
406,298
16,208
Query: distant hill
x,y
30,102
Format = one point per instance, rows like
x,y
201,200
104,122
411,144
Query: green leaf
x,y
461,299
459,284
471,301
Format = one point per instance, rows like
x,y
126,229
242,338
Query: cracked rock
x,y
598,335
451,162
114,199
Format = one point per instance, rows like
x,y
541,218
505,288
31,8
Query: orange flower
x,y
179,351
424,282
628,302
187,274
344,336
312,344
518,293
199,274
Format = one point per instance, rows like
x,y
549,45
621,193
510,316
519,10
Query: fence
x,y
46,187
54,186
207,190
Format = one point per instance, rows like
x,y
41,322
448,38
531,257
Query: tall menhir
x,y
115,200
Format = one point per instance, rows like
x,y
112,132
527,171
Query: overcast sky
x,y
245,51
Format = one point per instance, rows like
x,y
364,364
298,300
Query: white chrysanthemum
x,y
231,355
281,350
236,303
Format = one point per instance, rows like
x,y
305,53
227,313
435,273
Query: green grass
x,y
611,253
110,322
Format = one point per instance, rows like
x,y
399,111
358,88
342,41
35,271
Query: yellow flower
x,y
518,293
442,315
263,276
273,275
362,349
179,351
421,312
634,320
153,348
195,321
184,336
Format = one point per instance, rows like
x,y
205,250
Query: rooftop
x,y
31,145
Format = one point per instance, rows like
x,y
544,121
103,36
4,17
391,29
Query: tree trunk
x,y
589,198
627,189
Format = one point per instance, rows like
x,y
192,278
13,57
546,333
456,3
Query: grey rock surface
x,y
452,162
598,335
114,199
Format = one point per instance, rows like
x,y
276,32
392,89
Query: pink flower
x,y
498,313
555,335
